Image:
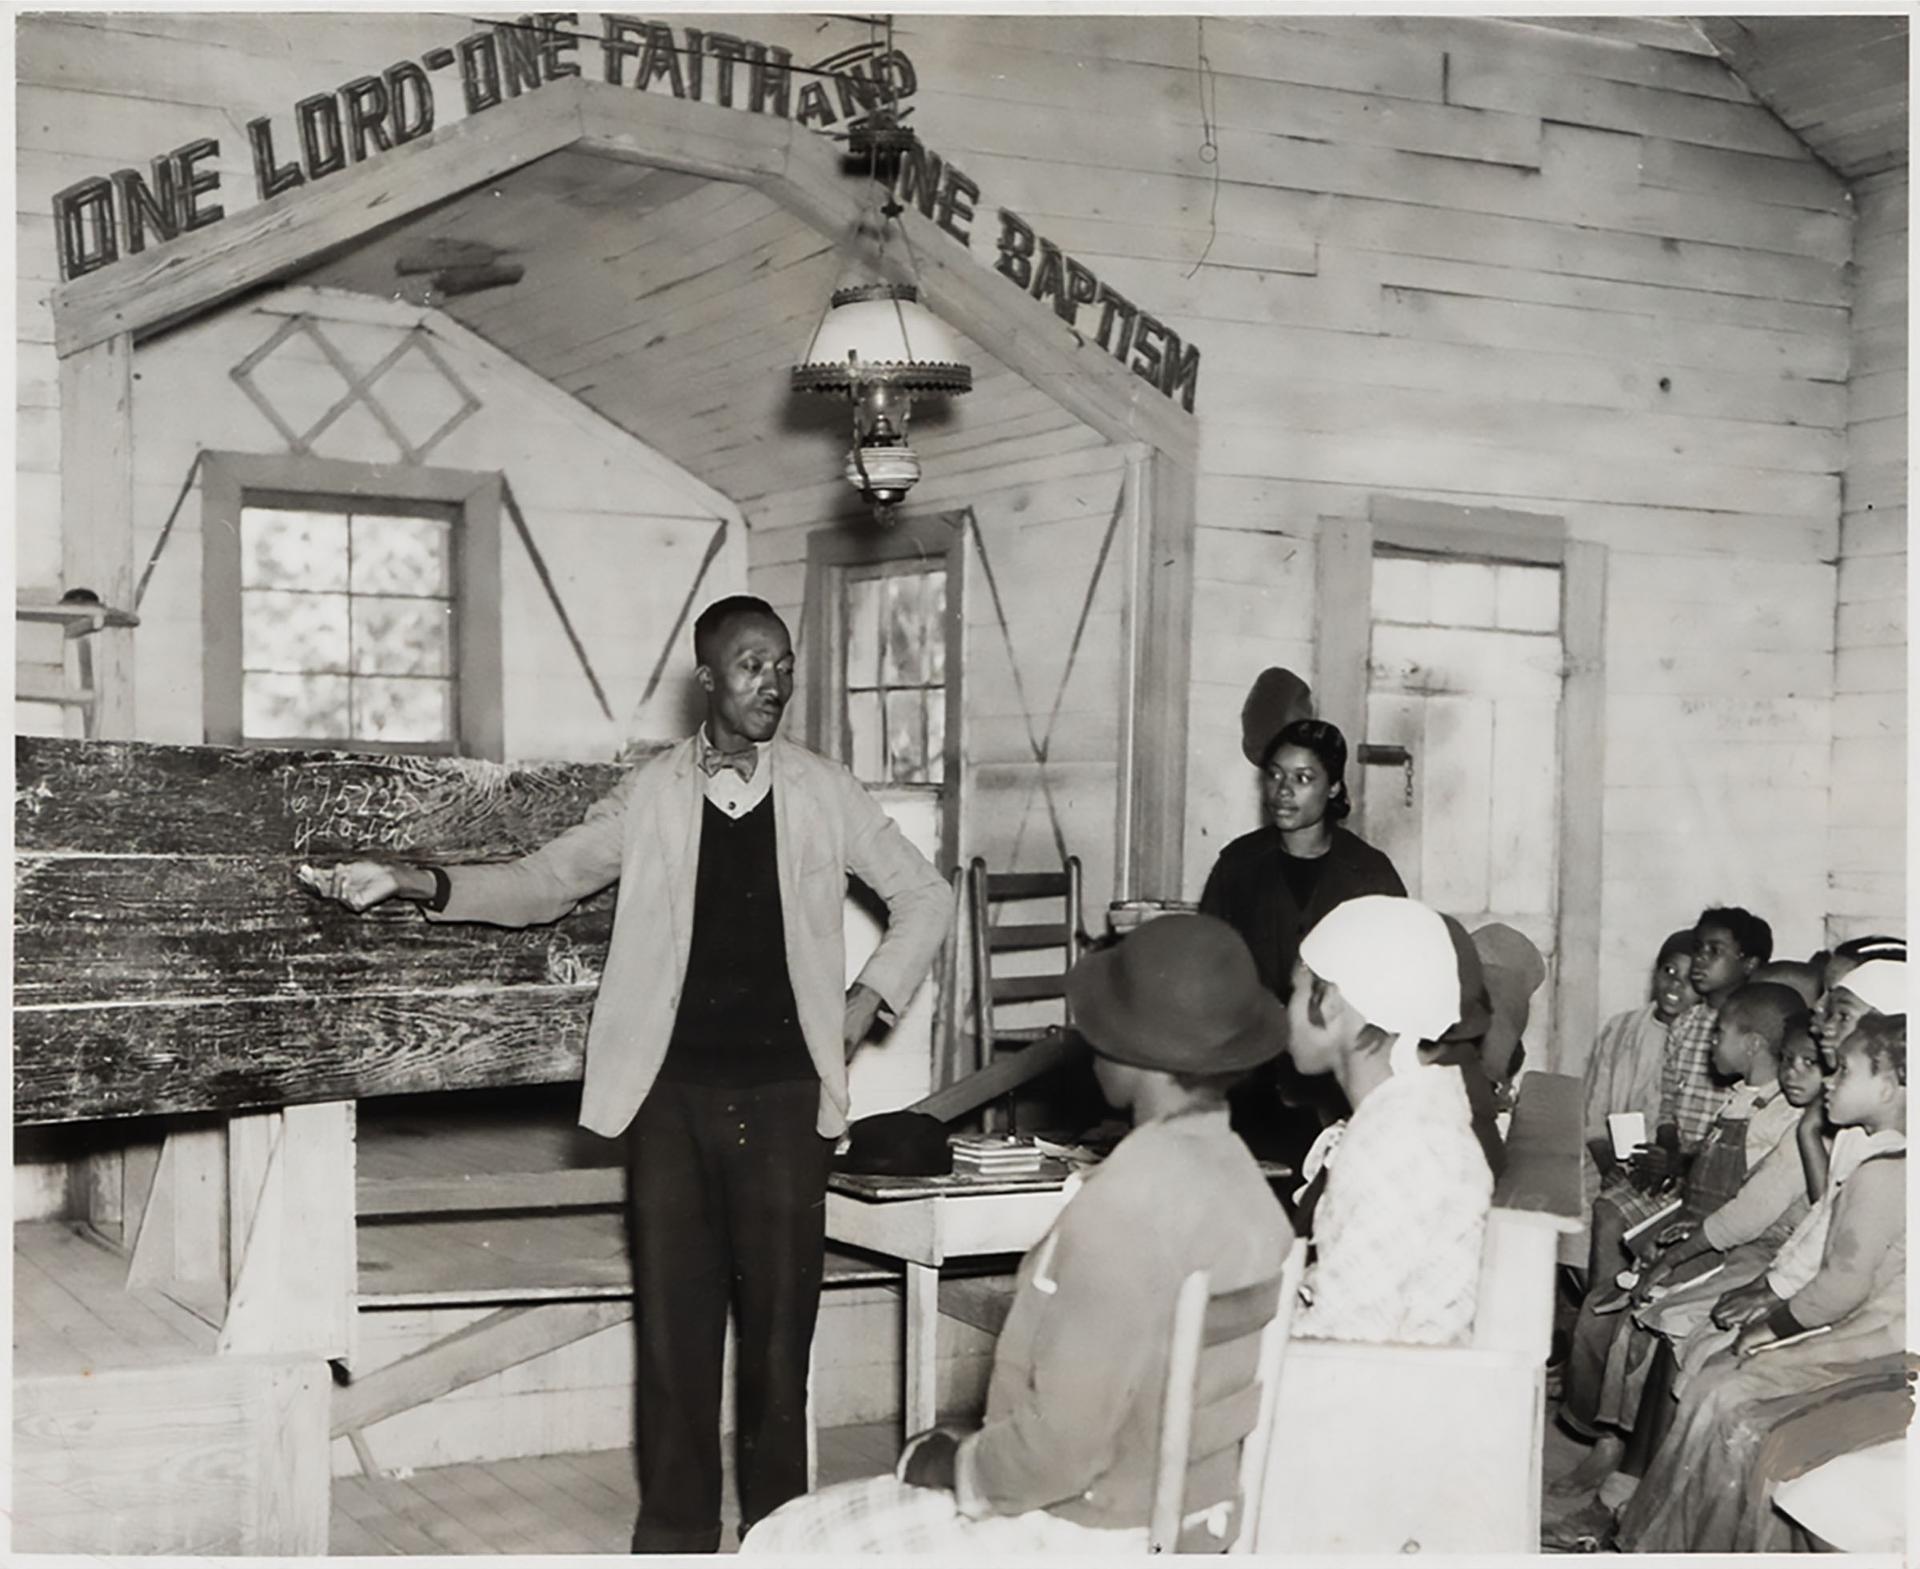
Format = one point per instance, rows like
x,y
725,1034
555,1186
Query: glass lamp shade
x,y
880,334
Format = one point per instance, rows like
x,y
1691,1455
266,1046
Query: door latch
x,y
1372,756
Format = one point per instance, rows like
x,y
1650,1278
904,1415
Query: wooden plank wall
x,y
1043,491
622,538
1466,259
1489,263
1869,844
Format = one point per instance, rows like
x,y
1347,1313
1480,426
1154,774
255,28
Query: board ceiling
x,y
1838,82
670,303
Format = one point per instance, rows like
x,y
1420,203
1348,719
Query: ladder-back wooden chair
x,y
992,939
1217,1421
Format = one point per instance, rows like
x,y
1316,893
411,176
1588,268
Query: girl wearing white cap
x,y
1864,977
1397,1234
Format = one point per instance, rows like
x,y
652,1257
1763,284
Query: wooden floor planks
x,y
551,1504
72,1313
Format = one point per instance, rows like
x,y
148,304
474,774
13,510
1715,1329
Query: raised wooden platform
x,y
497,1325
132,1435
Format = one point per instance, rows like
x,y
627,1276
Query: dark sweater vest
x,y
737,1025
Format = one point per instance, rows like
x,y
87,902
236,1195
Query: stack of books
x,y
995,1155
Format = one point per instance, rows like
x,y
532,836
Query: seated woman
x,y
1273,884
1798,1339
1065,1458
1397,1235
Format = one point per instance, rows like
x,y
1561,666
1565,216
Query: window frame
x,y
936,538
231,481
845,576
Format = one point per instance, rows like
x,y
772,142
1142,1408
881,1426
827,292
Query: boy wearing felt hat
x,y
1064,1461
1398,1231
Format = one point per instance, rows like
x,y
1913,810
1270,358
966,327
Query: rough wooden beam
x,y
1583,770
291,1196
102,929
1343,634
170,963
683,134
581,1187
181,1246
96,512
141,799
152,289
1007,1072
76,1063
1163,651
499,1341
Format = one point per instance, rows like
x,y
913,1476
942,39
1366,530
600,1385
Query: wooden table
x,y
926,1221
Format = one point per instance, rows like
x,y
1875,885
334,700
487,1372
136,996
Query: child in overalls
x,y
1699,1258
1833,1307
1754,1117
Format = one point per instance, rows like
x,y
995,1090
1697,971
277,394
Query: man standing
x,y
719,1046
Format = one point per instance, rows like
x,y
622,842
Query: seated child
x,y
1770,1202
1728,944
1698,1259
1855,987
1825,1314
1064,1460
1865,976
1624,1068
1397,1236
1753,1118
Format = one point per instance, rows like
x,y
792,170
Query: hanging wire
x,y
1209,92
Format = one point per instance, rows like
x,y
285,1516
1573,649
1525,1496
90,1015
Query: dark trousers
x,y
727,1205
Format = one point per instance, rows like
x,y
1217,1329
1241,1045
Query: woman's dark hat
x,y
1514,971
1476,1008
1278,698
1180,994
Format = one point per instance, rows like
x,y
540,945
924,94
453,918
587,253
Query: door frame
x,y
1343,574
941,535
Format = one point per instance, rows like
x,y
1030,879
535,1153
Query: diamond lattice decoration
x,y
430,409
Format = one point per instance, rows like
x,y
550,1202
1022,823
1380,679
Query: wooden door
x,y
1465,679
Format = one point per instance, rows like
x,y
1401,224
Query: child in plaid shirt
x,y
1728,944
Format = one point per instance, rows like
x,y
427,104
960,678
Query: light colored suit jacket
x,y
645,834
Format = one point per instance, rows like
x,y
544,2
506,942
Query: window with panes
x,y
893,617
348,623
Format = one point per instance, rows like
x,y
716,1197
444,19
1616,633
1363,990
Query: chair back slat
x,y
1030,932
1223,1375
1176,1413
1010,938
1233,1314
1028,988
1030,885
1222,1423
1256,1451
